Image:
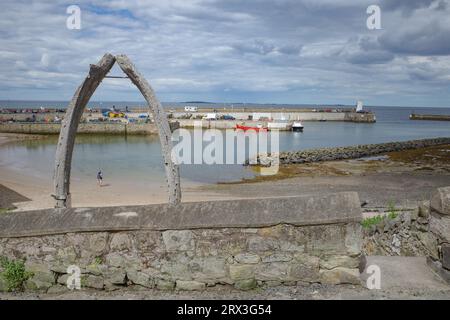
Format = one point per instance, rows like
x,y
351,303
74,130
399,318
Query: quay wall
x,y
191,246
354,152
88,128
433,117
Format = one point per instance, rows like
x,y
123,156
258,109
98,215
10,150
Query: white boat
x,y
297,126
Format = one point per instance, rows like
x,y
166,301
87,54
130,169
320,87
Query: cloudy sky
x,y
279,51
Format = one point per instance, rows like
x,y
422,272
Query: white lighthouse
x,y
359,106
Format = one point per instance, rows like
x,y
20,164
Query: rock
x,y
67,255
140,278
120,242
91,281
57,289
424,209
277,257
247,258
190,285
272,271
208,268
98,242
440,226
340,276
273,283
247,284
115,276
178,240
304,268
241,272
445,249
440,200
331,262
430,243
258,243
42,277
37,285
163,284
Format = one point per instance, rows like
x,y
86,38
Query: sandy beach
x,y
403,177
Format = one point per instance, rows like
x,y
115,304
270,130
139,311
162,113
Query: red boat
x,y
245,128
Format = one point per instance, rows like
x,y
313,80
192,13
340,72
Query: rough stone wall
x,y
439,226
405,235
192,259
353,152
90,128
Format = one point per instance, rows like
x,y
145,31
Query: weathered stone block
x,y
190,285
445,249
440,200
424,209
340,276
247,284
304,268
140,278
353,239
163,284
329,239
430,242
440,226
333,261
241,272
277,257
247,258
178,240
258,244
91,281
98,242
272,271
208,268
115,276
120,241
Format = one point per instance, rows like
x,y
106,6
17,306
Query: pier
x,y
138,122
432,117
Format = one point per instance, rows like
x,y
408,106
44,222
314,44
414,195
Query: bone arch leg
x,y
64,149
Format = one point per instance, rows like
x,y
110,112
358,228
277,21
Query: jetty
x,y
432,117
138,121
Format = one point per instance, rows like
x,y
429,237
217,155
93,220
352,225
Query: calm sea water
x,y
138,159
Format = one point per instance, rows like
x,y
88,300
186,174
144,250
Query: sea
x,y
138,158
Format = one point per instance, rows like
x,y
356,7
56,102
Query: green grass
x,y
4,210
375,220
372,221
14,274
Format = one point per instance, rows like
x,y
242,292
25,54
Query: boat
x,y
258,128
297,126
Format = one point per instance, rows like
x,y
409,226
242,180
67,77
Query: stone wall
x,y
439,226
245,244
87,128
358,151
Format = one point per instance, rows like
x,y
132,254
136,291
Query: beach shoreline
x,y
429,167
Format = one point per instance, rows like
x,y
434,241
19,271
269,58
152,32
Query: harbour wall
x,y
83,128
288,115
191,246
354,152
433,117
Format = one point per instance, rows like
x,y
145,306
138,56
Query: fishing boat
x,y
297,126
258,128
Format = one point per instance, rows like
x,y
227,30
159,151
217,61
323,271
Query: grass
x,y
375,220
14,273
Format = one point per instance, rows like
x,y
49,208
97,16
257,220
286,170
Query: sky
x,y
279,51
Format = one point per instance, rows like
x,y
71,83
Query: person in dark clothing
x,y
99,178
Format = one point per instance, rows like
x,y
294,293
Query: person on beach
x,y
99,178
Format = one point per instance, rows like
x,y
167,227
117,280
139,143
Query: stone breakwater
x,y
192,246
351,152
